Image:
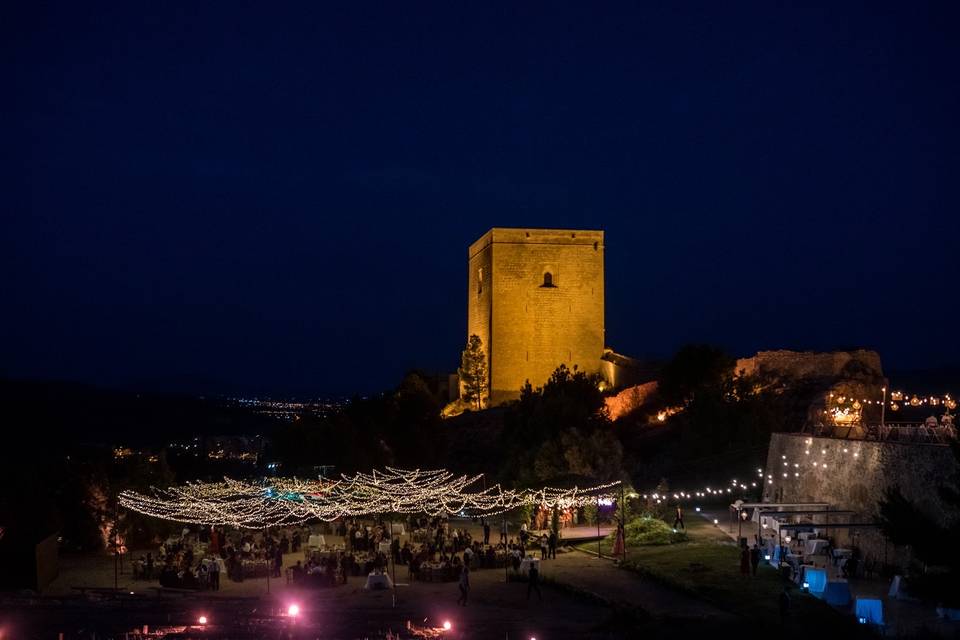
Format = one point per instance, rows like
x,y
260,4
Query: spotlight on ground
x,y
447,626
202,620
293,610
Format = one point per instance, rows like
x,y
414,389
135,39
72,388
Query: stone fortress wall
x,y
529,327
853,475
807,364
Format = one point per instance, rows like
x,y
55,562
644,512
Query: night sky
x,y
228,195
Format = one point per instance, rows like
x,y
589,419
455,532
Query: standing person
x,y
744,561
543,546
619,541
678,521
533,581
754,559
553,543
503,531
214,573
464,584
486,532
784,602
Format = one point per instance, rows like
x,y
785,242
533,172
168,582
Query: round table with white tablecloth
x,y
378,581
815,547
837,593
526,562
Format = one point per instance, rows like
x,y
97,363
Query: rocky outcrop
x,y
861,364
824,382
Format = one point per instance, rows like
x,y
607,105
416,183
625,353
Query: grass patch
x,y
708,566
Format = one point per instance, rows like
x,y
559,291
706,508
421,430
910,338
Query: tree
x,y
695,368
473,372
560,430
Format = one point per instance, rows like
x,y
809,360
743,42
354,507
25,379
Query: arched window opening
x,y
548,280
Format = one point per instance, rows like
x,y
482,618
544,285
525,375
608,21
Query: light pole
x,y
393,561
599,539
883,408
623,521
270,560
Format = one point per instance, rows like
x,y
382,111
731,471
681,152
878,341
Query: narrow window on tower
x,y
479,281
548,280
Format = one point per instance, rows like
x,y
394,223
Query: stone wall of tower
x,y
480,291
534,328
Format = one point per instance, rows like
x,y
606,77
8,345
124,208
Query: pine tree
x,y
473,372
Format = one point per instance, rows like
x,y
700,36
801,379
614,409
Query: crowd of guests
x,y
197,560
435,550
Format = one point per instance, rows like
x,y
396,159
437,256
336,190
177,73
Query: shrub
x,y
647,530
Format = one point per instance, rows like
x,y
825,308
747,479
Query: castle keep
x,y
535,297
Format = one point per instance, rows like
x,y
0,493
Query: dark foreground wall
x,y
28,563
853,474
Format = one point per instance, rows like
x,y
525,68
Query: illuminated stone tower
x,y
536,300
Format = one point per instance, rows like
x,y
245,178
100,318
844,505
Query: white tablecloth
x,y
894,591
316,540
385,547
526,562
814,547
837,593
398,529
378,581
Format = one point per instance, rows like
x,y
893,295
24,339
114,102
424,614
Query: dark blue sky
x,y
282,197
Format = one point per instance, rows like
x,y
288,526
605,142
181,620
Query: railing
x,y
888,432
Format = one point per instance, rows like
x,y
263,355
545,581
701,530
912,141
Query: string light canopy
x,y
291,501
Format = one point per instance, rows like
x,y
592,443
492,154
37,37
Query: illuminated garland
x,y
291,501
896,401
810,463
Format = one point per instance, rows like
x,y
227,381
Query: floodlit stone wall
x,y
629,399
530,326
808,364
853,475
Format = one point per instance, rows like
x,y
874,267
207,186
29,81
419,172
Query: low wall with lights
x,y
853,475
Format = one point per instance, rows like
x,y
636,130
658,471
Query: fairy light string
x,y
291,501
